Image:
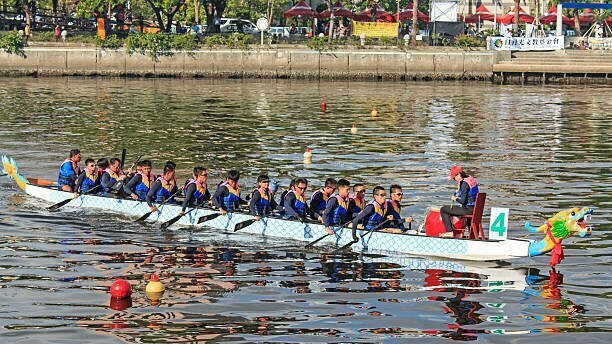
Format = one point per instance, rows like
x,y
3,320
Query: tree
x,y
214,9
516,16
165,8
415,22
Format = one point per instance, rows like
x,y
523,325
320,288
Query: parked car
x,y
238,25
279,31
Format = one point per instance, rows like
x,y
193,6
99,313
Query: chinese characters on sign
x,y
525,43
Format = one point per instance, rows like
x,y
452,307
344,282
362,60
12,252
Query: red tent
x,y
381,15
524,17
550,17
586,17
300,9
339,11
406,14
483,13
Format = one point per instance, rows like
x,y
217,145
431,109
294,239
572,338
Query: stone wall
x,y
287,63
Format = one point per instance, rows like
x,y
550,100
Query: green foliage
x,y
111,42
387,41
183,42
152,45
320,44
44,36
237,41
12,43
213,40
488,32
466,42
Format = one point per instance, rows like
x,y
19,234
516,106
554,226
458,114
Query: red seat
x,y
475,219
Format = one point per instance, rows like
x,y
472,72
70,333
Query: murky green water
x,y
535,150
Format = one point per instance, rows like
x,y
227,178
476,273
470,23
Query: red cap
x,y
154,278
455,170
308,149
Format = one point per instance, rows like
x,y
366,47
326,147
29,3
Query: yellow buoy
x,y
154,285
374,112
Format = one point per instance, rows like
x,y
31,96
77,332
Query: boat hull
x,y
377,242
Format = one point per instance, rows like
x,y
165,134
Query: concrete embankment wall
x,y
286,63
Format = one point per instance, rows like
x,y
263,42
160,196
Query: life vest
x,y
90,180
321,206
145,184
338,215
358,205
232,200
263,205
165,191
281,201
395,211
377,216
199,193
299,205
113,177
471,196
68,177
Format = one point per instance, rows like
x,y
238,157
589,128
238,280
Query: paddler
x,y
262,200
395,207
69,171
318,200
227,196
337,211
281,201
112,175
357,202
374,213
162,188
463,200
139,185
88,179
295,202
196,190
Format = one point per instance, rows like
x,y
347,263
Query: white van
x,y
229,25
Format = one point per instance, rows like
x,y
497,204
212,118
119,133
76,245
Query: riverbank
x,y
300,63
294,63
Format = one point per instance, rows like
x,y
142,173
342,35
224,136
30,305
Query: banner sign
x,y
374,29
526,43
600,43
498,227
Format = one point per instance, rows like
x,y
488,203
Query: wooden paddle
x,y
178,217
146,216
354,241
123,152
310,244
208,217
66,201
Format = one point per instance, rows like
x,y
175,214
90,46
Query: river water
x,y
533,149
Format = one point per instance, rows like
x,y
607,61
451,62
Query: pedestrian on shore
x,y
26,34
56,33
64,34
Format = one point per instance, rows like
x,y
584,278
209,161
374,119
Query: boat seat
x,y
474,220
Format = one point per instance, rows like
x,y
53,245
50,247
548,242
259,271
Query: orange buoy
x,y
354,129
323,106
120,289
374,112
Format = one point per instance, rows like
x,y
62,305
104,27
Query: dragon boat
x,y
561,226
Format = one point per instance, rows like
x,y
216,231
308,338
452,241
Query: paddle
x,y
66,201
145,216
123,152
178,217
208,217
310,244
354,241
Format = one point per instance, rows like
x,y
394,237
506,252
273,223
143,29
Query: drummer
x,y
463,200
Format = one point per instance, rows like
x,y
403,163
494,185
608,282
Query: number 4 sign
x,y
498,227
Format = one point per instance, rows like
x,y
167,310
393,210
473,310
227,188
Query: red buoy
x,y
120,289
323,106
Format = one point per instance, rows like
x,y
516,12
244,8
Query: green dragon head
x,y
571,222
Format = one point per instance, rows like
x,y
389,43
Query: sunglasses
x,y
398,193
381,195
360,191
301,188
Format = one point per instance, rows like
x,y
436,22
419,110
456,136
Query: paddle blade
x,y
59,204
345,247
316,241
243,224
208,217
170,222
144,217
